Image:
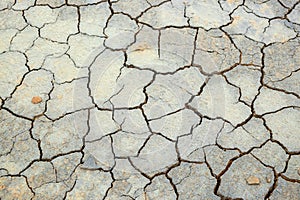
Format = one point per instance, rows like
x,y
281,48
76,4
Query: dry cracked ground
x,y
149,99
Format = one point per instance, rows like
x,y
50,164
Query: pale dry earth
x,y
149,99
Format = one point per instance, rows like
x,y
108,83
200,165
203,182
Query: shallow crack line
x,y
22,80
108,134
184,135
235,46
275,111
26,180
70,190
271,137
46,4
274,185
167,170
284,148
15,35
152,6
237,87
138,170
250,11
291,9
162,135
159,44
198,93
230,15
159,73
49,159
89,78
117,93
169,26
85,4
14,114
37,140
185,14
70,81
28,185
187,106
286,77
279,1
173,185
73,171
281,90
144,144
108,19
67,113
146,101
195,47
286,164
112,150
261,78
11,148
78,18
220,5
241,124
85,135
128,196
165,115
261,162
219,177
111,185
124,65
48,95
208,165
289,179
134,35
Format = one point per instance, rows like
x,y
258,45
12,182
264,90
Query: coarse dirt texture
x,y
149,99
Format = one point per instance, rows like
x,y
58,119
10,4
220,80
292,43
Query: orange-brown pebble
x,y
36,100
252,180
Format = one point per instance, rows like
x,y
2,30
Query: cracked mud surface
x,y
149,99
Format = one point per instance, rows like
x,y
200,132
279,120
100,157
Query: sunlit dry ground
x,y
149,99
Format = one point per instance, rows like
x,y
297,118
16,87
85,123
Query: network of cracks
x,y
150,99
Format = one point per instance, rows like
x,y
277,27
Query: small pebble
x,y
299,171
252,180
36,100
268,180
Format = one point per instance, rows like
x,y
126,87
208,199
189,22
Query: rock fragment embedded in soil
x,y
36,100
252,180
